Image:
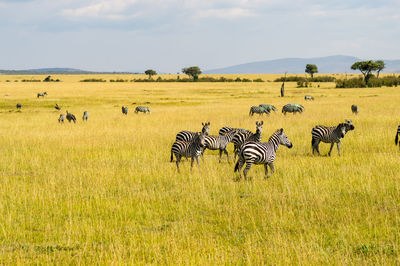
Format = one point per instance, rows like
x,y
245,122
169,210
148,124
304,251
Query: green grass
x,y
105,192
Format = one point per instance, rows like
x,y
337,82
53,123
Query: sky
x,y
135,35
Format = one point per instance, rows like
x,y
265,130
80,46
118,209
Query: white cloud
x,y
225,13
114,10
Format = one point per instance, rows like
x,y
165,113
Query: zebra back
x,y
189,135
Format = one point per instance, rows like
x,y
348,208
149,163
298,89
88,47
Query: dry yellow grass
x,y
104,191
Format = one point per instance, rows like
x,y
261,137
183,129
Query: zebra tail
x,y
172,157
396,140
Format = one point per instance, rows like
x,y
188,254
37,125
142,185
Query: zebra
x,y
189,135
57,107
220,142
19,106
61,118
268,107
309,97
292,108
261,153
329,135
243,136
70,117
124,110
85,116
354,109
258,110
143,109
396,140
41,94
192,149
224,130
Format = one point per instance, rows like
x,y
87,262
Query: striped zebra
x,y
309,98
242,137
261,153
220,142
224,130
258,110
71,117
189,135
41,94
329,135
124,110
354,109
61,118
268,107
143,109
396,140
85,116
192,149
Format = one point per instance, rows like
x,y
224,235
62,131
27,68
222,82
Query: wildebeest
x,y
292,108
268,107
143,109
309,97
19,106
354,109
61,118
258,110
41,94
57,107
85,116
124,110
71,117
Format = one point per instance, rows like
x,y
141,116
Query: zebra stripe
x,y
354,109
329,135
143,109
85,116
258,110
189,135
71,117
191,149
396,140
220,143
124,110
261,153
242,137
224,130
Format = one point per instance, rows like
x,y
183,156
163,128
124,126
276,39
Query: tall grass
x,y
105,192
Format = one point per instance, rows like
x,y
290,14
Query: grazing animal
x,y
329,135
220,142
261,153
354,109
85,116
258,110
309,98
268,107
124,110
192,149
224,130
41,94
242,137
71,117
396,139
292,108
57,107
189,135
143,109
61,118
19,106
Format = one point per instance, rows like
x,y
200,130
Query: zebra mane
x,y
275,134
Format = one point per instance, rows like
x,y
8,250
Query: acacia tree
x,y
366,67
381,66
150,73
311,69
193,71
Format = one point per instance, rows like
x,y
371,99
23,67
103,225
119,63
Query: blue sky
x,y
134,35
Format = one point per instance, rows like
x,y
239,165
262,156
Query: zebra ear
x,y
281,130
208,122
262,123
202,124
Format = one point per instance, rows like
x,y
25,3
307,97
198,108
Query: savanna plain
x,y
105,191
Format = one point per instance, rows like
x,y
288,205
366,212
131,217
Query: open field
x,y
104,191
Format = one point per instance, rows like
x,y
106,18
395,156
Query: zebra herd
x,y
248,146
288,108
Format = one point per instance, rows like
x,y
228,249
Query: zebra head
x,y
259,127
349,125
200,138
206,128
279,137
341,130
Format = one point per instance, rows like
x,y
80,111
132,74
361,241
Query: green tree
x,y
381,66
311,69
193,71
150,73
366,67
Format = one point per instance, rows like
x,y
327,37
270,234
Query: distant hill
x,y
328,64
53,71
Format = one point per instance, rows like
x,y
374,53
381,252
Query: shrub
x,y
373,82
92,80
31,80
350,83
315,79
258,80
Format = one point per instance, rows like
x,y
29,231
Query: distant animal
x,y
396,139
71,117
57,107
354,109
261,153
220,142
224,130
258,110
85,116
192,149
124,110
189,135
41,94
268,107
292,108
61,118
19,106
309,98
242,137
143,109
330,135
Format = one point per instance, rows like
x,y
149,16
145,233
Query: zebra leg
x,y
266,170
178,159
271,165
191,164
227,155
248,166
220,155
197,160
330,150
338,148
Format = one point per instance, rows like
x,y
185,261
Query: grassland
x,y
105,192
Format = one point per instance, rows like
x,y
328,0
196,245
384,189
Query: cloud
x,y
225,13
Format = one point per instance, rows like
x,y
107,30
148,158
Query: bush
x,y
92,80
31,80
350,83
373,82
118,80
258,80
315,79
